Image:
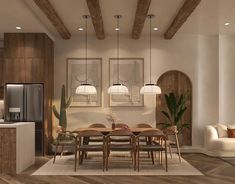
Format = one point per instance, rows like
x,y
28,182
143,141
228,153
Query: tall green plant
x,y
64,104
176,109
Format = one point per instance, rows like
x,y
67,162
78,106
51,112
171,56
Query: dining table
x,y
106,131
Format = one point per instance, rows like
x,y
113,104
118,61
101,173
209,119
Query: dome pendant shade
x,y
118,89
86,89
150,89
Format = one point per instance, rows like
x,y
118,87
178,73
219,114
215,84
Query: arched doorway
x,y
178,83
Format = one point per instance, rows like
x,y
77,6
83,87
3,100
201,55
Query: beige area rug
x,y
120,164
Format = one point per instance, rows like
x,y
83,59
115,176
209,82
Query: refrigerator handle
x,y
25,104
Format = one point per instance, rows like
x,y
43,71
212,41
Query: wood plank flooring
x,y
216,171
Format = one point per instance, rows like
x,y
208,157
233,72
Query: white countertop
x,y
14,125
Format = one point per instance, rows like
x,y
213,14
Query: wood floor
x,y
216,171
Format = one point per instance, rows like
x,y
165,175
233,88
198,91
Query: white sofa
x,y
217,142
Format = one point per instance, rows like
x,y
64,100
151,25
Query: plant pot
x,y
69,149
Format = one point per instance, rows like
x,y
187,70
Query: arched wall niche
x,y
178,83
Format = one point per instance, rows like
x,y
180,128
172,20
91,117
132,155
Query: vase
x,y
113,126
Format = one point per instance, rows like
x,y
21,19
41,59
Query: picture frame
x,y
76,69
131,74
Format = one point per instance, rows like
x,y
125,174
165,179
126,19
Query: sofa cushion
x,y
222,130
224,144
231,133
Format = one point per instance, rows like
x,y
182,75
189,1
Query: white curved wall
x,y
227,79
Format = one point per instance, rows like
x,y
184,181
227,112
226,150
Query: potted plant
x,y
176,108
61,115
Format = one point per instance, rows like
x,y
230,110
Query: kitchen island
x,y
17,146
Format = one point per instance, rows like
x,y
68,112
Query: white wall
x,y
227,79
187,53
208,83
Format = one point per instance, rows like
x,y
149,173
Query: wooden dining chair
x,y
121,147
81,148
121,138
64,138
157,134
96,140
172,131
145,140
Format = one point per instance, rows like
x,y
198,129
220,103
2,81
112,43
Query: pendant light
x,y
150,88
118,88
86,89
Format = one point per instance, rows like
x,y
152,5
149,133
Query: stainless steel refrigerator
x,y
24,102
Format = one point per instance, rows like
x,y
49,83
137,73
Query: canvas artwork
x,y
76,69
131,74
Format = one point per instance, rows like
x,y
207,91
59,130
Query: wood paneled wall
x,y
29,59
8,150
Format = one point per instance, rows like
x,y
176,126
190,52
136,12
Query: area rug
x,y
120,164
230,160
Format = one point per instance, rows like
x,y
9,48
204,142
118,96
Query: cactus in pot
x,y
64,104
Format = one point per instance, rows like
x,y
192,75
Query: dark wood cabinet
x,y
1,73
29,59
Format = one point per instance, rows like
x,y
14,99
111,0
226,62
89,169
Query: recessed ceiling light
x,y
155,29
227,24
117,29
80,29
18,27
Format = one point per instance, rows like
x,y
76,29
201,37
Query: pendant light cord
x,y
118,29
86,47
150,44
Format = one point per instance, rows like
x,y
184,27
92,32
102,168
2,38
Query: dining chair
x,y
172,131
157,134
88,140
64,138
145,140
121,147
81,148
120,139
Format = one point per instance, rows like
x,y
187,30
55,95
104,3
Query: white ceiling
x,y
208,18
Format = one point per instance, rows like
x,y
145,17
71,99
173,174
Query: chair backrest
x,y
121,125
97,125
170,130
65,135
143,125
152,133
121,132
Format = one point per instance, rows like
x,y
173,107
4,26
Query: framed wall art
x,y
76,75
131,74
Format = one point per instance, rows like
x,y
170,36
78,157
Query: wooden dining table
x,y
106,131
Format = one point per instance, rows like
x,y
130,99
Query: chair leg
x,y
169,146
178,147
166,160
55,153
103,160
138,160
76,155
152,157
62,150
107,161
161,157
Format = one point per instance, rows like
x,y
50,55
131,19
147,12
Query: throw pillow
x,y
231,133
222,130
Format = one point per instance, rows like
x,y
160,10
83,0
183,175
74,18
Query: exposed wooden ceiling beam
x,y
140,16
183,14
52,15
96,16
